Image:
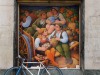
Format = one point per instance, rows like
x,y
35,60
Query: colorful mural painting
x,y
50,34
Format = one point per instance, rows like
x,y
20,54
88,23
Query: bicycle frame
x,y
40,67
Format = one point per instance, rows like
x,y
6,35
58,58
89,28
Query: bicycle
x,y
24,70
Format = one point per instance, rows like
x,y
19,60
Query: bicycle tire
x,y
52,70
13,71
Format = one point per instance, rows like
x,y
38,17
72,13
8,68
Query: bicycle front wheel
x,y
14,71
52,71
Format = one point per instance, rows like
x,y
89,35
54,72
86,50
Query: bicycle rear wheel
x,y
52,70
14,71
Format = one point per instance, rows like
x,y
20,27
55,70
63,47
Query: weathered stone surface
x,y
6,47
6,2
6,33
7,16
92,34
92,72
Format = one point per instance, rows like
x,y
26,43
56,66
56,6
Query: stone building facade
x,y
90,25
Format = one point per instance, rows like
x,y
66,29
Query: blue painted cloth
x,y
52,19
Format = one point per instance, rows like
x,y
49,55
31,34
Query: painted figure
x,y
41,47
50,21
62,38
58,16
28,21
38,24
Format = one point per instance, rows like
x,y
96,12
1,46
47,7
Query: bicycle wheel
x,y
14,71
52,70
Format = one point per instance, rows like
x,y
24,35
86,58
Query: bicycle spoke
x,y
52,71
14,71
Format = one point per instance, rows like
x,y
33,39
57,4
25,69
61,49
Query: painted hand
x,y
58,39
57,21
21,23
44,48
37,29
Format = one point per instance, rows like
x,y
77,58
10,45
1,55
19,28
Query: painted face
x,y
45,33
26,13
54,11
62,10
49,14
24,19
57,27
43,16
